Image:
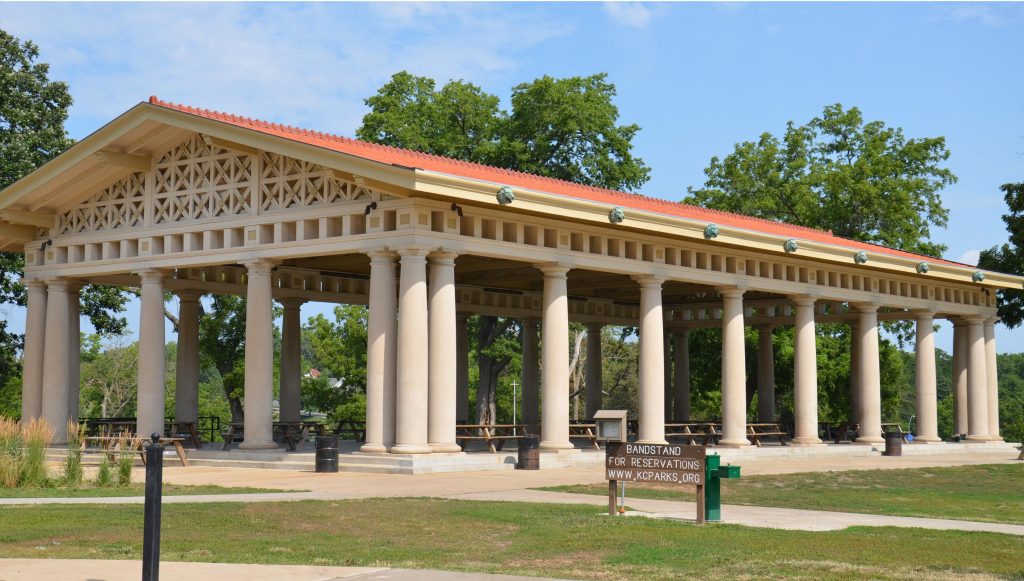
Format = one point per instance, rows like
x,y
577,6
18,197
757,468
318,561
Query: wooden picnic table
x,y
294,434
757,431
354,428
584,431
851,430
691,432
494,435
185,430
109,444
108,426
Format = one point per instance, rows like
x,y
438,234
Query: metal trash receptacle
x,y
529,453
326,453
893,444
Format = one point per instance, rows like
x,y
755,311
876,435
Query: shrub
x,y
10,453
104,478
127,445
73,461
37,436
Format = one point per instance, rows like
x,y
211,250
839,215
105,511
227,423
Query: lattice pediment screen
x,y
292,183
195,181
121,205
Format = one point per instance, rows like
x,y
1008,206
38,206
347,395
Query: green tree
x,y
338,349
560,128
1009,257
864,181
33,110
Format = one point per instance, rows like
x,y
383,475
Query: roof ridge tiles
x,y
733,220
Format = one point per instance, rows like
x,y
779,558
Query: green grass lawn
x,y
496,537
131,490
988,493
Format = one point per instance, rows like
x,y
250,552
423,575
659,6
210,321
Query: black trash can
x,y
529,453
326,453
893,444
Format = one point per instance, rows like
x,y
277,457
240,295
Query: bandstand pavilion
x,y
172,198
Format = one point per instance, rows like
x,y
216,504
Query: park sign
x,y
661,463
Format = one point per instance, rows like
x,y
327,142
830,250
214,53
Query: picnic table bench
x,y
756,432
691,432
354,428
294,434
584,431
494,435
109,445
851,430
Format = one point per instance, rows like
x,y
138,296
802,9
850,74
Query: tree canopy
x,y
864,181
1009,257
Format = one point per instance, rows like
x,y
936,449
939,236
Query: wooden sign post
x,y
668,464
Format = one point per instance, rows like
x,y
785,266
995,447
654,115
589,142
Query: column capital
x,y
58,284
864,307
188,295
924,315
442,257
532,321
975,320
380,254
413,252
462,316
648,281
33,283
594,325
291,302
260,265
731,292
992,320
151,275
554,269
803,300
769,327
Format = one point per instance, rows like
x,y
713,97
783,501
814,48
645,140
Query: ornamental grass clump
x,y
104,476
73,461
37,436
10,453
127,444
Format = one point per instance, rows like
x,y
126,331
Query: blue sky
x,y
696,77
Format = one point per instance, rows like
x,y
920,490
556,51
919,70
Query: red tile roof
x,y
435,163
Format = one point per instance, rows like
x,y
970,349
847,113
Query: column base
x,y
927,440
556,446
805,441
733,443
373,449
979,438
869,440
247,445
445,448
411,449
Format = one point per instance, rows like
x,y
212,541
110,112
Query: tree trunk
x,y
490,329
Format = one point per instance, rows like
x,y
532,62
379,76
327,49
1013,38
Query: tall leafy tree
x,y
33,110
561,128
1009,257
864,181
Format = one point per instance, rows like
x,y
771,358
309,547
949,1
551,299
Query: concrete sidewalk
x,y
751,516
104,570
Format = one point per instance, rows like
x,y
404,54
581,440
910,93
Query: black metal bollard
x,y
151,519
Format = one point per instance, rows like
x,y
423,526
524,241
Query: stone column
x,y
35,347
462,368
924,371
870,395
734,371
805,380
594,369
652,363
681,377
151,355
993,379
977,381
959,376
259,357
669,386
442,364
186,377
855,363
555,360
530,377
381,336
56,375
765,374
413,350
74,350
290,398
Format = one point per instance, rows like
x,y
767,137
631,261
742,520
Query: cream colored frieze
x,y
196,180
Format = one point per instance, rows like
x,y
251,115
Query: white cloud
x,y
975,13
632,14
970,257
309,65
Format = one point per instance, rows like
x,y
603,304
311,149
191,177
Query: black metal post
x,y
151,522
